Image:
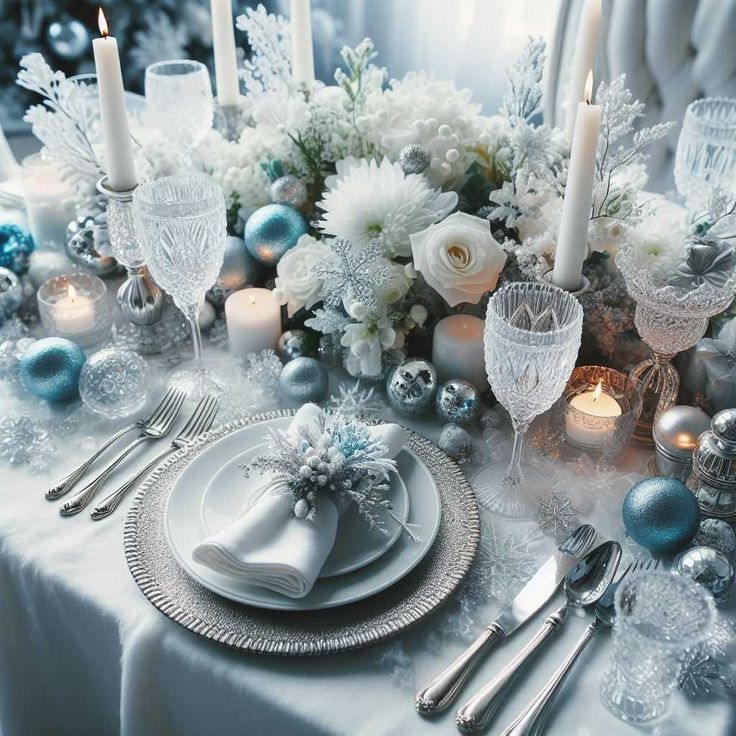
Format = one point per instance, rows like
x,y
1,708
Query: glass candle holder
x,y
598,410
75,306
658,616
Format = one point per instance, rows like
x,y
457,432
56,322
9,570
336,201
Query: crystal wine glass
x,y
179,100
532,338
658,616
669,319
180,221
706,151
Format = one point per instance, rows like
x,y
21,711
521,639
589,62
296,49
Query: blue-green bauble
x,y
50,368
303,380
16,246
272,230
661,514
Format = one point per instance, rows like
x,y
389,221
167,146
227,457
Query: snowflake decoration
x,y
354,276
555,515
708,667
263,369
328,321
508,560
356,401
24,441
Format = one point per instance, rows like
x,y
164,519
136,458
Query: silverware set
x,y
589,574
156,427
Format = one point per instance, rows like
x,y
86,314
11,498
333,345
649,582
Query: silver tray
x,y
359,624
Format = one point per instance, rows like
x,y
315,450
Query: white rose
x,y
296,282
459,258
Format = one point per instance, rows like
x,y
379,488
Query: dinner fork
x,y
159,426
200,421
531,719
68,482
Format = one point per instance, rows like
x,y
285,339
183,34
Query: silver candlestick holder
x,y
140,299
230,120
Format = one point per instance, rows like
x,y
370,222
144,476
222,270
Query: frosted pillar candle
x,y
586,45
226,61
572,239
253,319
457,349
302,54
118,147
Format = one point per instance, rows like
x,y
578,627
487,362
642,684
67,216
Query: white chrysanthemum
x,y
277,116
368,200
434,114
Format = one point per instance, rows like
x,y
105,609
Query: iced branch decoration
x,y
524,99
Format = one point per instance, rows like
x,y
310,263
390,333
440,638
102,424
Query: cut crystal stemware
x,y
531,341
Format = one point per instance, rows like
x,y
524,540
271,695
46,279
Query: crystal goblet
x,y
531,341
658,616
181,226
669,319
706,151
179,100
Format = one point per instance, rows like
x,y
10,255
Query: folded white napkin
x,y
270,547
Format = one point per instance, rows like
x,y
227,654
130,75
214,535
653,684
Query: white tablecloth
x,y
83,652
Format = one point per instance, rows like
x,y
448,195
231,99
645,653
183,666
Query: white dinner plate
x,y
193,508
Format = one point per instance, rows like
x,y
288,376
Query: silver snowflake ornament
x,y
555,515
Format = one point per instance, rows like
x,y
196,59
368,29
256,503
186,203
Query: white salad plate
x,y
212,491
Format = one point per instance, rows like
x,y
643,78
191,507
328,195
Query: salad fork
x,y
159,426
68,482
200,421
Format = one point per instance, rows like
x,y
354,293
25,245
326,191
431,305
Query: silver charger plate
x,y
374,619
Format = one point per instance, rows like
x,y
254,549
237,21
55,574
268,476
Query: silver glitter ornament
x,y
708,567
11,294
239,269
68,38
295,344
303,380
494,418
82,235
718,534
289,189
456,442
206,317
414,159
412,387
457,402
330,350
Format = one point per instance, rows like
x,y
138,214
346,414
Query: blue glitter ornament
x,y
661,514
15,248
303,379
272,230
50,368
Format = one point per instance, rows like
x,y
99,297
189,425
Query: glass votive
x,y
598,410
75,306
50,201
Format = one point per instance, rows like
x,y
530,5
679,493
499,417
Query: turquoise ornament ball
x,y
50,368
16,246
661,514
303,379
271,231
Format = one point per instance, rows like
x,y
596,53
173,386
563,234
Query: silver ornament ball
x,y
456,442
457,402
414,159
303,380
289,189
11,294
206,317
68,38
81,244
114,383
707,567
295,344
411,388
239,269
718,534
330,351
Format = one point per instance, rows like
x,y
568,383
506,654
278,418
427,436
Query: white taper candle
x,y
302,54
223,44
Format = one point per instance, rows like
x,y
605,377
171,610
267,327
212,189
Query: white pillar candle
x,y
253,321
572,239
118,147
74,313
457,349
302,55
586,45
9,168
595,419
223,45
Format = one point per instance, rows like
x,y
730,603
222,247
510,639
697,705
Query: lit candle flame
x,y
589,87
597,391
252,299
102,23
71,293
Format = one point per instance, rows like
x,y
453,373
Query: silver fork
x,y
200,421
531,719
159,426
67,483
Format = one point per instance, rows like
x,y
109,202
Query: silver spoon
x,y
585,583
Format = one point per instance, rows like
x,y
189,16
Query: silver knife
x,y
443,690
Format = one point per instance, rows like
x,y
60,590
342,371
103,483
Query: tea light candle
x,y
253,319
595,403
74,313
457,349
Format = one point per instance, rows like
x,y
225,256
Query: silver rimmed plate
x,y
203,501
178,596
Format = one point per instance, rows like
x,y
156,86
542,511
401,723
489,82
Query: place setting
x,y
342,361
